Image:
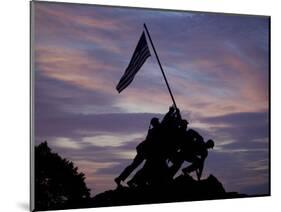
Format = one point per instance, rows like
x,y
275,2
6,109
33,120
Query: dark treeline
x,y
58,184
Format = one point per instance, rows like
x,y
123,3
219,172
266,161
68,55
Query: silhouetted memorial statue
x,y
144,150
193,149
155,169
155,150
168,141
197,157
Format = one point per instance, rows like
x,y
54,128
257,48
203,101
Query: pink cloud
x,y
73,66
52,23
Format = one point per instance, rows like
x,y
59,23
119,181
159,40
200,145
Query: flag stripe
x,y
140,55
126,82
130,77
141,45
121,88
131,66
135,62
132,69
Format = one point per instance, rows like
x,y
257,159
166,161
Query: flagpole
x,y
160,66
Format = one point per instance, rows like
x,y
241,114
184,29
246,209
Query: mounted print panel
x,y
139,106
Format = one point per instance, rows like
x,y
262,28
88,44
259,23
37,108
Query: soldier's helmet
x,y
210,143
154,122
183,124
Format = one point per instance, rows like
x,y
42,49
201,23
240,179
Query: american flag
x,y
140,55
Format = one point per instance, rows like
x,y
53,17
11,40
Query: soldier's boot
x,y
118,181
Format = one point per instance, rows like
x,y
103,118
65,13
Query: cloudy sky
x,y
217,67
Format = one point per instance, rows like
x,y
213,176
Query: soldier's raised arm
x,y
168,115
178,114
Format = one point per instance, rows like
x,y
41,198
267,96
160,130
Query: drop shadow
x,y
23,206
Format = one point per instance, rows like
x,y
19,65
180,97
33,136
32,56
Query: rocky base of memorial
x,y
182,188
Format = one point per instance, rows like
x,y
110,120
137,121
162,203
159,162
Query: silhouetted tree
x,y
58,185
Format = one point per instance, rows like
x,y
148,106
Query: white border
x,y
14,110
